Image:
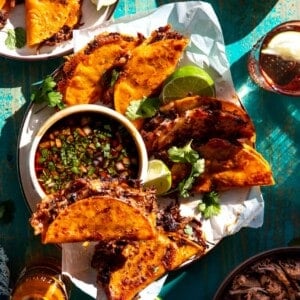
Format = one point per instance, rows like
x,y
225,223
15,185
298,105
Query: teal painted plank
x,y
276,119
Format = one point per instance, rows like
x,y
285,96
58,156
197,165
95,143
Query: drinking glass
x,y
40,282
274,61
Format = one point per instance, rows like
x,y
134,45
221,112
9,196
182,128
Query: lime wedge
x,y
159,176
187,81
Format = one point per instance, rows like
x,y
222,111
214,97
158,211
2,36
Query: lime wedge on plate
x,y
187,81
159,176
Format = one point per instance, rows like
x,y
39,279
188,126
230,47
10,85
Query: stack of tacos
x,y
138,242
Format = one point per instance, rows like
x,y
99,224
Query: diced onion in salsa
x,y
84,146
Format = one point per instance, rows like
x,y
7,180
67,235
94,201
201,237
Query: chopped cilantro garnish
x,y
47,94
188,230
210,205
110,77
143,108
187,155
114,76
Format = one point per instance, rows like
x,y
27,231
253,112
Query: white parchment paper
x,y
240,207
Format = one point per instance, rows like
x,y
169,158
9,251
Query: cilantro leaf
x,y
188,230
114,76
186,184
55,99
110,77
47,94
210,205
143,108
16,38
187,154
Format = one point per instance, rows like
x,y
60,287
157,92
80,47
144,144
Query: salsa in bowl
x,y
85,141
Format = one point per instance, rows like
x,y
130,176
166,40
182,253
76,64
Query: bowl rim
x,y
88,108
286,250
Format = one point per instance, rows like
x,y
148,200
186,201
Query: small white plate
x,y
90,17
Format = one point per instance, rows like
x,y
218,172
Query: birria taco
x,y
96,210
51,21
138,242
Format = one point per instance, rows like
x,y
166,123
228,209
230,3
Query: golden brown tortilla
x,y
44,18
100,218
144,262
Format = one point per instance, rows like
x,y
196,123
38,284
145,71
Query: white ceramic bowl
x,y
88,108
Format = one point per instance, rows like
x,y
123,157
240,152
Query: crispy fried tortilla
x,y
197,118
83,75
124,269
100,218
127,267
148,66
87,77
47,18
227,165
95,210
231,165
223,135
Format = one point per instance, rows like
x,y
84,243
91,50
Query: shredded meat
x,y
3,18
110,38
107,258
197,118
5,10
272,278
164,33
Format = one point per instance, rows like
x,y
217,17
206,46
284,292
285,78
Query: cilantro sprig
x,y
143,108
210,205
46,93
188,155
16,38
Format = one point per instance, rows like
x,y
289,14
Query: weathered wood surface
x,y
276,119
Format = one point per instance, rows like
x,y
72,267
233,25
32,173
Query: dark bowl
x,y
284,253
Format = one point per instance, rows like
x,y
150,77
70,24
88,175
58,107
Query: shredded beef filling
x,y
107,258
3,18
268,279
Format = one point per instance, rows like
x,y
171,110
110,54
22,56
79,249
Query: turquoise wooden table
x,y
276,118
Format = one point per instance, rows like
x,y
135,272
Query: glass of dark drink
x,y
274,62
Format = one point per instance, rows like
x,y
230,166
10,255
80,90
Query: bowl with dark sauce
x,y
85,141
